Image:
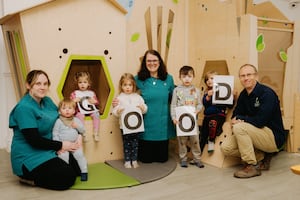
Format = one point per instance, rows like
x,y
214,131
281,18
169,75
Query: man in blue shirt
x,y
256,125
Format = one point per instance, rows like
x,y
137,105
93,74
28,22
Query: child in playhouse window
x,y
87,101
66,128
129,97
214,115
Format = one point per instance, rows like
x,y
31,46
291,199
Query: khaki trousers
x,y
194,145
249,143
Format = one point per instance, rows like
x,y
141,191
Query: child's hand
x,y
74,125
197,112
77,99
120,111
175,121
141,107
210,93
92,100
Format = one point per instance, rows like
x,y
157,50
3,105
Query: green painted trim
x,y
112,90
107,74
20,55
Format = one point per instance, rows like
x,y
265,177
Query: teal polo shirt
x,y
157,120
29,114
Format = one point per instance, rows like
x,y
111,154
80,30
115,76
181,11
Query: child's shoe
x,y
183,163
84,137
96,137
84,176
199,164
127,164
135,164
210,146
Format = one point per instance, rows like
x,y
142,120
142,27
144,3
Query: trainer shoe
x,y
84,176
135,164
127,164
199,164
210,147
247,172
183,163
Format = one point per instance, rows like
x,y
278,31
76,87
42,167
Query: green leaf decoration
x,y
176,1
260,44
283,56
169,38
135,37
265,22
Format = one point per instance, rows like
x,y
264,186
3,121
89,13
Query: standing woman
x,y
33,152
156,87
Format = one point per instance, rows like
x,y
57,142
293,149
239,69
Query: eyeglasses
x,y
151,61
246,75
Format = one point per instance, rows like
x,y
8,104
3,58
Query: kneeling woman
x,y
33,152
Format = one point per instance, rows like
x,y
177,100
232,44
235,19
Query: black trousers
x,y
205,129
153,151
55,174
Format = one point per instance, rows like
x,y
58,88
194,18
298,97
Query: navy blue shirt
x,y
261,108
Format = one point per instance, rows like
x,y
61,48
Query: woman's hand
x,y
79,140
235,121
115,102
69,146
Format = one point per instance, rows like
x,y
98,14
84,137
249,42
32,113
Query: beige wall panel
x,y
266,9
217,33
136,24
83,28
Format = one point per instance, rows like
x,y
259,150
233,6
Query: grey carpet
x,y
147,172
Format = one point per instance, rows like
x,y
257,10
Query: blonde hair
x,y
208,74
33,75
130,77
66,102
86,75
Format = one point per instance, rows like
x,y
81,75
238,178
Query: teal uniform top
x,y
157,95
29,114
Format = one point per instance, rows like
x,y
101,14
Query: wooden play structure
x,y
104,38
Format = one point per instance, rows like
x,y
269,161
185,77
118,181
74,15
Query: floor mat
x,y
102,176
147,172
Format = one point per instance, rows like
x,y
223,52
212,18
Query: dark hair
x,y
144,73
184,70
124,77
32,77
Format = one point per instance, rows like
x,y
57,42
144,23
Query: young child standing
x,y
82,94
214,115
69,128
129,97
186,94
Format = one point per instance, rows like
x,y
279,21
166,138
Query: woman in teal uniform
x,y
33,152
156,87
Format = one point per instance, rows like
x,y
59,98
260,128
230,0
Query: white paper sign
x,y
85,107
187,123
132,120
223,88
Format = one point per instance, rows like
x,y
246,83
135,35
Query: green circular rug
x,y
113,174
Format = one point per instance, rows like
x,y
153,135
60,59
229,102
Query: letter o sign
x,y
132,115
192,121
